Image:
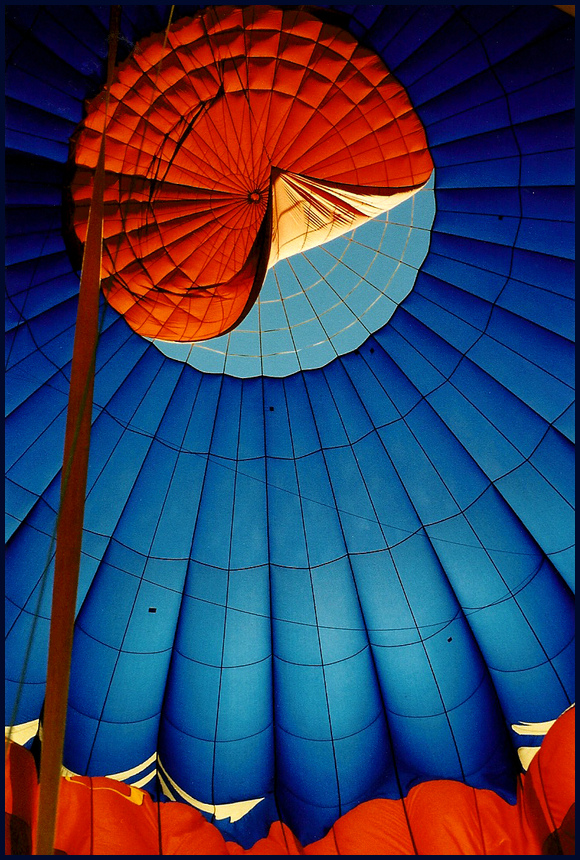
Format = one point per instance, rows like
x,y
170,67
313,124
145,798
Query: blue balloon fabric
x,y
301,592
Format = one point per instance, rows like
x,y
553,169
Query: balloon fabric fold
x,y
436,818
209,120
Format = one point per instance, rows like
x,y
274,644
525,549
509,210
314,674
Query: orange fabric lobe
x,y
199,125
441,817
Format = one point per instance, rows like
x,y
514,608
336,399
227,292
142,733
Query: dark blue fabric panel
x,y
424,23
498,258
28,693
536,342
53,333
150,411
23,222
391,504
528,104
429,496
480,201
358,518
550,236
179,406
419,371
37,468
547,516
302,427
107,498
552,274
373,25
250,518
445,299
450,108
514,27
329,421
90,28
177,747
551,168
134,390
25,306
91,741
252,424
366,377
33,130
151,19
226,430
538,60
485,228
22,277
488,159
448,460
512,418
382,367
565,424
436,307
27,84
545,134
249,593
301,784
117,356
423,346
525,379
489,448
426,744
22,189
28,373
213,525
433,53
324,539
200,425
350,406
554,458
206,584
56,34
46,239
146,671
172,537
550,204
466,275
19,503
28,593
467,59
470,172
278,437
516,603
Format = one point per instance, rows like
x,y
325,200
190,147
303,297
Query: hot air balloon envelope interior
x,y
327,548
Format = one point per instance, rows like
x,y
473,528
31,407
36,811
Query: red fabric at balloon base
x,y
102,816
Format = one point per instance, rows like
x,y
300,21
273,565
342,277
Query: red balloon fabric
x,y
101,816
238,138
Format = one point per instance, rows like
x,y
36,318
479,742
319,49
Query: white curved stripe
x,y
524,728
533,728
126,774
146,779
22,733
526,755
233,811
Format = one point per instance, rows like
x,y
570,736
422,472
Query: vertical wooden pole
x,y
72,499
